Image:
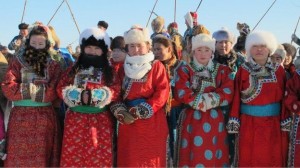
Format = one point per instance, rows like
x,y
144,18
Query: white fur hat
x,y
261,38
137,34
203,40
280,51
97,33
224,34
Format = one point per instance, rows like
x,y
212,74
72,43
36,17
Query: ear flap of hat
x,y
189,19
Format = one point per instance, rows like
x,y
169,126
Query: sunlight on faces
x,y
287,60
138,49
23,32
161,52
118,55
93,50
203,55
38,41
223,47
259,53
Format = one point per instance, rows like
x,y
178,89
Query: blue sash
x,y
261,111
132,103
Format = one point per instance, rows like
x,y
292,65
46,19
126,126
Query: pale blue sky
x,y
121,14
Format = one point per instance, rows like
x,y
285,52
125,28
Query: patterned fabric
x,y
79,148
260,86
32,131
202,133
258,76
144,142
292,104
233,60
88,138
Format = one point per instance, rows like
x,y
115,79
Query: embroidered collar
x,y
257,67
199,67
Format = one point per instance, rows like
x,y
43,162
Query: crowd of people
x,y
200,99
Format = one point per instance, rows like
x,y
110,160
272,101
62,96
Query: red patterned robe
x,y
88,132
144,143
202,138
292,105
256,114
33,136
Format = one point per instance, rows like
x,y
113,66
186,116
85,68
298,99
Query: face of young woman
x,y
259,53
288,59
161,52
203,55
37,41
276,59
93,50
138,49
223,47
118,55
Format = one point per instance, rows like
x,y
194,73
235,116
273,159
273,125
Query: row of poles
x,y
69,7
152,12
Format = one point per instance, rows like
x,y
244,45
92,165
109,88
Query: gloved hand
x,y
233,126
124,117
139,112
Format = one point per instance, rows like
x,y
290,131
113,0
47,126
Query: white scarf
x,y
137,66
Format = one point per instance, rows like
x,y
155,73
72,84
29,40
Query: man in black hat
x,y
20,39
102,25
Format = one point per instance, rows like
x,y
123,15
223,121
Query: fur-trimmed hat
x,y
261,38
94,36
224,34
191,18
172,28
23,26
203,40
137,34
157,24
280,51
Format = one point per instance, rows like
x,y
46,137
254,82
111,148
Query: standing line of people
x,y
139,101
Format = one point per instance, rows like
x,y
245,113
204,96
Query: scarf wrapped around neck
x,y
136,67
168,65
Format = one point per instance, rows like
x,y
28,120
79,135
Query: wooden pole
x,y
151,13
55,12
24,11
198,6
175,12
264,15
73,16
295,28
